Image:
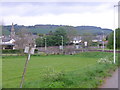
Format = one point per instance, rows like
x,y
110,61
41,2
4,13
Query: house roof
x,y
6,39
7,44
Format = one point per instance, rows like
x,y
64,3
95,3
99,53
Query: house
x,y
76,40
8,42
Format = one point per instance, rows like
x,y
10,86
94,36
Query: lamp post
x,y
41,42
45,45
62,42
114,34
103,40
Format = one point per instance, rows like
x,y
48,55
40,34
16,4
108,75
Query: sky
x,y
64,12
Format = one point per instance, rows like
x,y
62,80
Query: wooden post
x,y
25,67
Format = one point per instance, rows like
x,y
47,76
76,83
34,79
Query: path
x,y
111,82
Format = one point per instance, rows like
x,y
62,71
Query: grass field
x,y
56,71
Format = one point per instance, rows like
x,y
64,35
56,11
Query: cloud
x,y
59,0
35,9
103,19
65,13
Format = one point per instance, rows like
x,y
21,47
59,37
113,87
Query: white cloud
x,y
59,0
73,14
34,9
97,19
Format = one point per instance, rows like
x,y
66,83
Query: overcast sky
x,y
99,14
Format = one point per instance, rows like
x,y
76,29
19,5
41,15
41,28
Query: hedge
x,y
10,51
36,50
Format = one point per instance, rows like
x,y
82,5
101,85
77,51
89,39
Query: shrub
x,y
6,51
56,85
105,60
54,76
36,50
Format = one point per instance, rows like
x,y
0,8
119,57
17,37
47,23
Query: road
x,y
111,82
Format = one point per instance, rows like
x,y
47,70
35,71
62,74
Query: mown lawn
x,y
56,71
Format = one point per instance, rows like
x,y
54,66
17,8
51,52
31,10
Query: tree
x,y
61,31
111,39
54,39
71,32
87,37
39,42
23,38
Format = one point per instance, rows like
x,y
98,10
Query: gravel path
x,y
111,82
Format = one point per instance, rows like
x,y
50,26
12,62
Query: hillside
x,y
44,29
93,30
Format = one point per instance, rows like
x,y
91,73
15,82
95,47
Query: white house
x,y
8,42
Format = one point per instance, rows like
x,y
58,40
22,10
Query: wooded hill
x,y
45,29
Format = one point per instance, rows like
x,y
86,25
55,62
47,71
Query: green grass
x,y
56,71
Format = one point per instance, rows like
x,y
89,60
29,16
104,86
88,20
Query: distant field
x,y
56,71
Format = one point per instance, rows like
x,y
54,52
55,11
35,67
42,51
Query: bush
x,y
6,51
36,50
56,85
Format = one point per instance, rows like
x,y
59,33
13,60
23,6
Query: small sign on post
x,y
30,51
26,50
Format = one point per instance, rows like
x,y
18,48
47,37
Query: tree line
x,y
110,44
55,38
